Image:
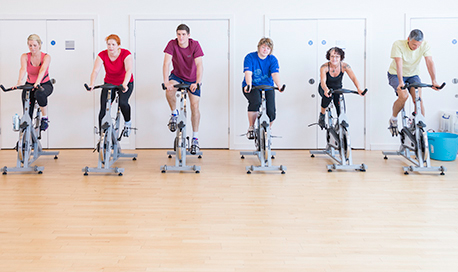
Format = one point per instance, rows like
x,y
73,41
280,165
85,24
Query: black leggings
x,y
38,95
123,102
255,99
325,101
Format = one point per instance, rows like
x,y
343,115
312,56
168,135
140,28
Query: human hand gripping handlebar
x,y
266,88
181,86
421,85
105,86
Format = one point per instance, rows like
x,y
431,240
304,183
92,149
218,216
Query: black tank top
x,y
334,82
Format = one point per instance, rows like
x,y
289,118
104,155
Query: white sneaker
x,y
393,127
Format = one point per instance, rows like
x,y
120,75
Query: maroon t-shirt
x,y
183,62
115,71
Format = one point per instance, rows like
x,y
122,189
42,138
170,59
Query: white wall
x,y
385,25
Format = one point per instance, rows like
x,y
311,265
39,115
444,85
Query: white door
x,y
152,110
71,107
297,106
348,34
301,45
441,34
13,43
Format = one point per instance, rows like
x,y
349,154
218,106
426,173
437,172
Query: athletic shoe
x,y
44,124
127,128
250,133
173,123
321,121
194,146
393,127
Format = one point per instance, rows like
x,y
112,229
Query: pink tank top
x,y
32,71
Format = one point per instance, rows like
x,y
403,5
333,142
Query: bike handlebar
x,y
342,91
181,86
22,87
420,85
105,86
265,88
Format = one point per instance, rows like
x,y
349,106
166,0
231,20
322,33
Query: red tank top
x,y
115,71
32,71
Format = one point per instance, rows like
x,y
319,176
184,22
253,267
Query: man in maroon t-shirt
x,y
186,56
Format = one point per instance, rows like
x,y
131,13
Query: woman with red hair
x,y
118,65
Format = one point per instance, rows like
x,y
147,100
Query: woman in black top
x,y
331,75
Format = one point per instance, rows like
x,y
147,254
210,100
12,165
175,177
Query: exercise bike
x,y
109,147
181,142
28,147
414,139
338,145
262,136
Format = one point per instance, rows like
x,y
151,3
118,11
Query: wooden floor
x,y
225,220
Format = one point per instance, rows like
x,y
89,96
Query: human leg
x,y
325,101
42,99
254,102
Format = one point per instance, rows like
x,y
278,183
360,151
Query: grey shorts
x,y
394,82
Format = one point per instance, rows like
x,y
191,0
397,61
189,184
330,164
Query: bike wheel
x,y
257,139
422,143
180,147
264,143
22,146
103,145
346,143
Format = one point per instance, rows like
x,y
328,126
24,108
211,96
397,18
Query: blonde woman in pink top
x,y
36,64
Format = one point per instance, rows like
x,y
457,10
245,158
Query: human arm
x,y
95,71
199,72
432,71
276,78
128,64
399,73
166,71
352,76
248,81
44,67
22,70
323,71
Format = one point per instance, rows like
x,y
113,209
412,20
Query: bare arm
x,y
199,72
431,71
128,63
399,72
95,71
323,71
276,78
22,70
248,80
166,71
352,76
44,67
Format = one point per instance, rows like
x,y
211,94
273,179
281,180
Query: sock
x,y
175,112
195,135
128,124
394,118
44,117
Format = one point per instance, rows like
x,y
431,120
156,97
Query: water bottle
x,y
16,122
455,126
445,123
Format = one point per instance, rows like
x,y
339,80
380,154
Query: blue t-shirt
x,y
262,69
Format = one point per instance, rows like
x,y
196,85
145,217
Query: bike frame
x,y
180,142
338,145
263,137
109,146
28,148
421,160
